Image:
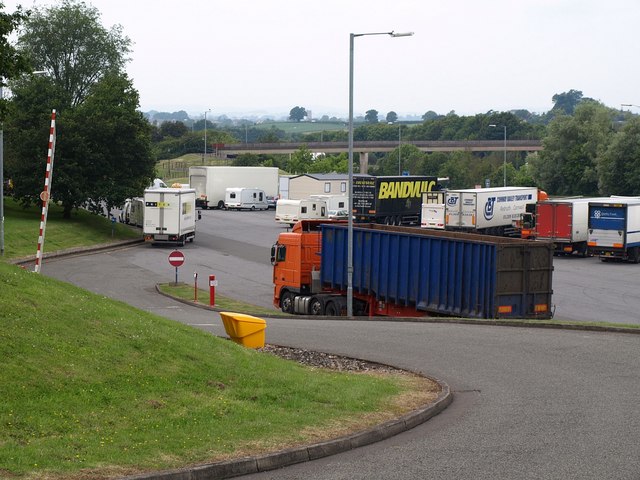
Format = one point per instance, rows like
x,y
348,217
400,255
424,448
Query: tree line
x,y
107,150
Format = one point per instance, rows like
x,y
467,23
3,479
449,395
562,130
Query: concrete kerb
x,y
77,251
283,458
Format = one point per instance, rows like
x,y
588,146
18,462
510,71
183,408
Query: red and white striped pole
x,y
46,193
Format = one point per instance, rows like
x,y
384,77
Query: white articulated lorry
x,y
492,211
169,215
211,183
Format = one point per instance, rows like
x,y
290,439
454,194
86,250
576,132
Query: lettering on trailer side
x,y
405,189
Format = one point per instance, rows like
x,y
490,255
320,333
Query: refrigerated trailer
x,y
563,221
614,229
491,211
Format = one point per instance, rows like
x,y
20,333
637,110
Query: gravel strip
x,y
325,360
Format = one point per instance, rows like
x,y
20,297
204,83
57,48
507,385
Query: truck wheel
x,y
221,205
315,306
286,302
634,255
330,309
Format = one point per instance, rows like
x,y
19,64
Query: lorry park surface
x,y
528,402
235,246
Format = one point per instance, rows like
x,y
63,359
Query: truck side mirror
x,y
273,255
199,215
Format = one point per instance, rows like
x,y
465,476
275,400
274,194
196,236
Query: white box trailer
x,y
488,210
245,199
169,215
211,183
614,229
292,211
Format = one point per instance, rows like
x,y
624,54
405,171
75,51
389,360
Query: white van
x,y
240,198
292,211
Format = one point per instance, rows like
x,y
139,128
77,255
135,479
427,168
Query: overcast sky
x,y
264,57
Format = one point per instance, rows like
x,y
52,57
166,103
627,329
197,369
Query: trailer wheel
x,y
315,306
331,309
634,255
286,302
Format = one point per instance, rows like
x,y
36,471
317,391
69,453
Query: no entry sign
x,y
176,258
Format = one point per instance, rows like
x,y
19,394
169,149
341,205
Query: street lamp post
x,y
205,136
1,181
352,36
399,150
504,149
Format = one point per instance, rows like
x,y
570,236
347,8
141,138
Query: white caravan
x,y
292,211
239,198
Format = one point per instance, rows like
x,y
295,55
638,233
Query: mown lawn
x,y
93,388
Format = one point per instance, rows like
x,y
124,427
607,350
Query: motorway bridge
x,y
224,150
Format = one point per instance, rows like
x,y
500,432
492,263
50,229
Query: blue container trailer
x,y
403,271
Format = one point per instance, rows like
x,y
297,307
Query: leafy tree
x,y
430,115
392,117
619,166
566,102
103,146
297,114
371,116
103,149
12,62
174,129
330,163
300,161
568,163
69,42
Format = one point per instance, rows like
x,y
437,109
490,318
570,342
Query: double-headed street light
x,y
352,36
504,148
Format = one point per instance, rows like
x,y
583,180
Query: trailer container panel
x,y
440,272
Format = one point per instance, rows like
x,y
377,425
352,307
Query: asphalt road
x,y
528,403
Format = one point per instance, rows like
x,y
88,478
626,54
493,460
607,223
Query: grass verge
x,y
183,291
92,388
22,227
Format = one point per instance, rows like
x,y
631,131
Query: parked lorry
x,y
563,221
292,211
241,198
394,200
169,215
404,271
614,229
211,182
492,211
